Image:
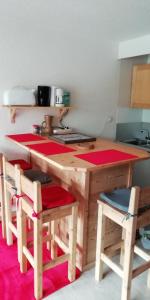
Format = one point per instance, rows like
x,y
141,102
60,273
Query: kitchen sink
x,y
137,142
147,146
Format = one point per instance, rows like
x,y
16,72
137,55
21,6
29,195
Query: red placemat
x,y
105,157
25,137
50,148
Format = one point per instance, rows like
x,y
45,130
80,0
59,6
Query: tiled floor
x,y
86,288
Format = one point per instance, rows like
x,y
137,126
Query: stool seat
x,y
24,165
55,196
118,198
38,175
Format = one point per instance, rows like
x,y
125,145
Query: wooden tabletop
x,y
69,161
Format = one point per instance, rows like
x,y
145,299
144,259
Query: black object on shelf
x,y
72,138
43,95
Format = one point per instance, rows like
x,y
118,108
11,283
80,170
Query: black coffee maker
x,y
43,95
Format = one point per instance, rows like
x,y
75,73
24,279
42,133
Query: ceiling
x,y
122,19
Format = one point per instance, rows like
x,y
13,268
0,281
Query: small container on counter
x,y
36,129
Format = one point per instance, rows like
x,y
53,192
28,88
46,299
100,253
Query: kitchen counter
x,y
86,180
70,162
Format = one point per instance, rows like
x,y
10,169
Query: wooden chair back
x,y
134,200
29,188
8,168
139,198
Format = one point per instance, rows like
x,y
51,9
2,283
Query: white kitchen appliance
x,y
19,96
59,97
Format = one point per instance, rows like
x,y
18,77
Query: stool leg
x,y
72,244
148,279
18,212
29,223
38,258
48,243
54,226
22,240
122,248
100,243
8,214
2,207
128,261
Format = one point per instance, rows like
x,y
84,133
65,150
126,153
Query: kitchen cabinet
x,y
140,92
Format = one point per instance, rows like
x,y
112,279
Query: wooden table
x,y
86,180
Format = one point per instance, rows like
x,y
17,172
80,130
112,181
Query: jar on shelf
x,y
66,98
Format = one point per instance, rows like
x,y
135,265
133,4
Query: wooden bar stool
x,y
129,208
49,204
10,190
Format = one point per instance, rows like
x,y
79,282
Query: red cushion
x,y
55,196
24,165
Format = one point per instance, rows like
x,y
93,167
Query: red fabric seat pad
x,y
106,156
55,196
24,165
25,137
50,148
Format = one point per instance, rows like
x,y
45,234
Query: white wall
x,y
80,61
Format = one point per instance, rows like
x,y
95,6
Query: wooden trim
x,y
48,215
57,261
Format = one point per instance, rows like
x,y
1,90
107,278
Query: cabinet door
x,y
140,93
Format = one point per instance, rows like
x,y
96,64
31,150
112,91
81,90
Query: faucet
x,y
146,132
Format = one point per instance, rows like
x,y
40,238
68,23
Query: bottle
x,y
66,98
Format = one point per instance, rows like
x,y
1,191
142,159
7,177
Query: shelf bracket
x,y
12,114
61,113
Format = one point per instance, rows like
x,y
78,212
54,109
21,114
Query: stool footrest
x,y
140,252
109,251
112,265
55,262
28,255
13,228
142,268
61,244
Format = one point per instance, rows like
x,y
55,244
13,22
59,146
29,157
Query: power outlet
x,y
109,119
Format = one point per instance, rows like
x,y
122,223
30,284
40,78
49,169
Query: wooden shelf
x,y
60,111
